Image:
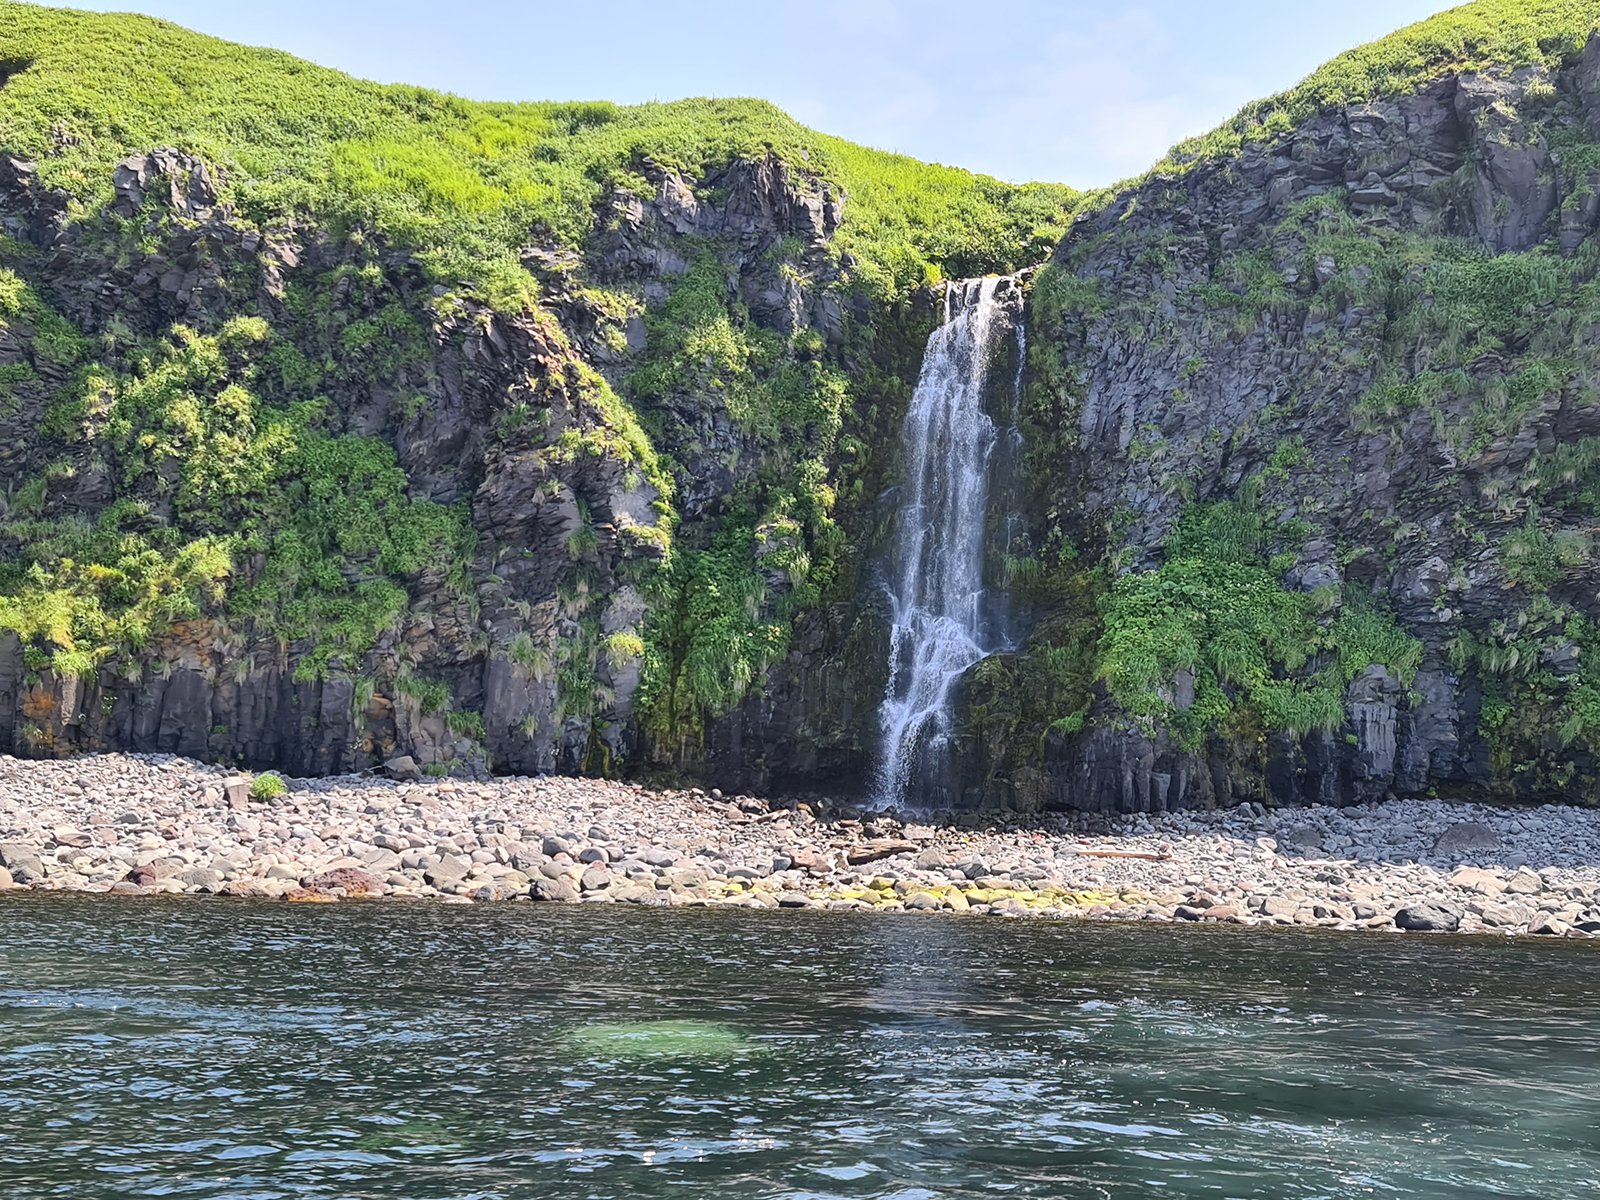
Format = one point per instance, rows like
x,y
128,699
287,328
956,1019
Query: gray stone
x,y
659,856
448,870
16,856
236,790
1302,837
403,767
560,890
552,846
203,878
1278,906
1524,883
380,861
1427,918
637,894
1466,837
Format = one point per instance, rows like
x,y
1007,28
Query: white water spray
x,y
936,587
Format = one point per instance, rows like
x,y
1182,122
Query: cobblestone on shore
x,y
155,824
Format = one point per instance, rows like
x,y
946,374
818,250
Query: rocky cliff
x,y
1315,424
467,437
369,425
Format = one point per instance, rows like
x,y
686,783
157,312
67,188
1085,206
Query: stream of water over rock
x,y
944,619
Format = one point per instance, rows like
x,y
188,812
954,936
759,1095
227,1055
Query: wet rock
x,y
1426,918
310,896
354,882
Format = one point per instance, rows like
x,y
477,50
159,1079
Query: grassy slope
x,y
460,180
1509,33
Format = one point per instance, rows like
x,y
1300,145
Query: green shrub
x,y
430,695
1215,610
467,724
265,787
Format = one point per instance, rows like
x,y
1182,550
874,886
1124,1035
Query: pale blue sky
x,y
1078,92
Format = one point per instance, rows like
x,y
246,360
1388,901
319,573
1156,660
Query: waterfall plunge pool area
x,y
167,1047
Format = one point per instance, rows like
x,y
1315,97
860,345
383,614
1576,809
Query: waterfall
x,y
942,624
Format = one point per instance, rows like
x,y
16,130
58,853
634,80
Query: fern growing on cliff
x,y
1213,628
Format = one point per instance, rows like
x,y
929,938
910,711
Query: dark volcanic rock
x,y
1425,918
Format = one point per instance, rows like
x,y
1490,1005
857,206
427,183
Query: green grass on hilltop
x,y
1507,33
465,183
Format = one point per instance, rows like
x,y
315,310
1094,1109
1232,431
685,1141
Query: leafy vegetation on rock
x,y
249,453
206,473
1498,33
459,181
1213,627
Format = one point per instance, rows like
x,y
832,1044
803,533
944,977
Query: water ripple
x,y
257,1052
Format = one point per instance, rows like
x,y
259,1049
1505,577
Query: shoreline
x,y
141,825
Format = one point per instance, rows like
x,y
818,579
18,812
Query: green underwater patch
x,y
660,1039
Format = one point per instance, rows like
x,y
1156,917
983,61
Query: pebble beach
x,y
143,825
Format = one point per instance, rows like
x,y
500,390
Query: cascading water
x,y
942,624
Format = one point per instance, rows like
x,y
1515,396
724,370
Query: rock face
x,y
1359,343
535,636
1301,329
